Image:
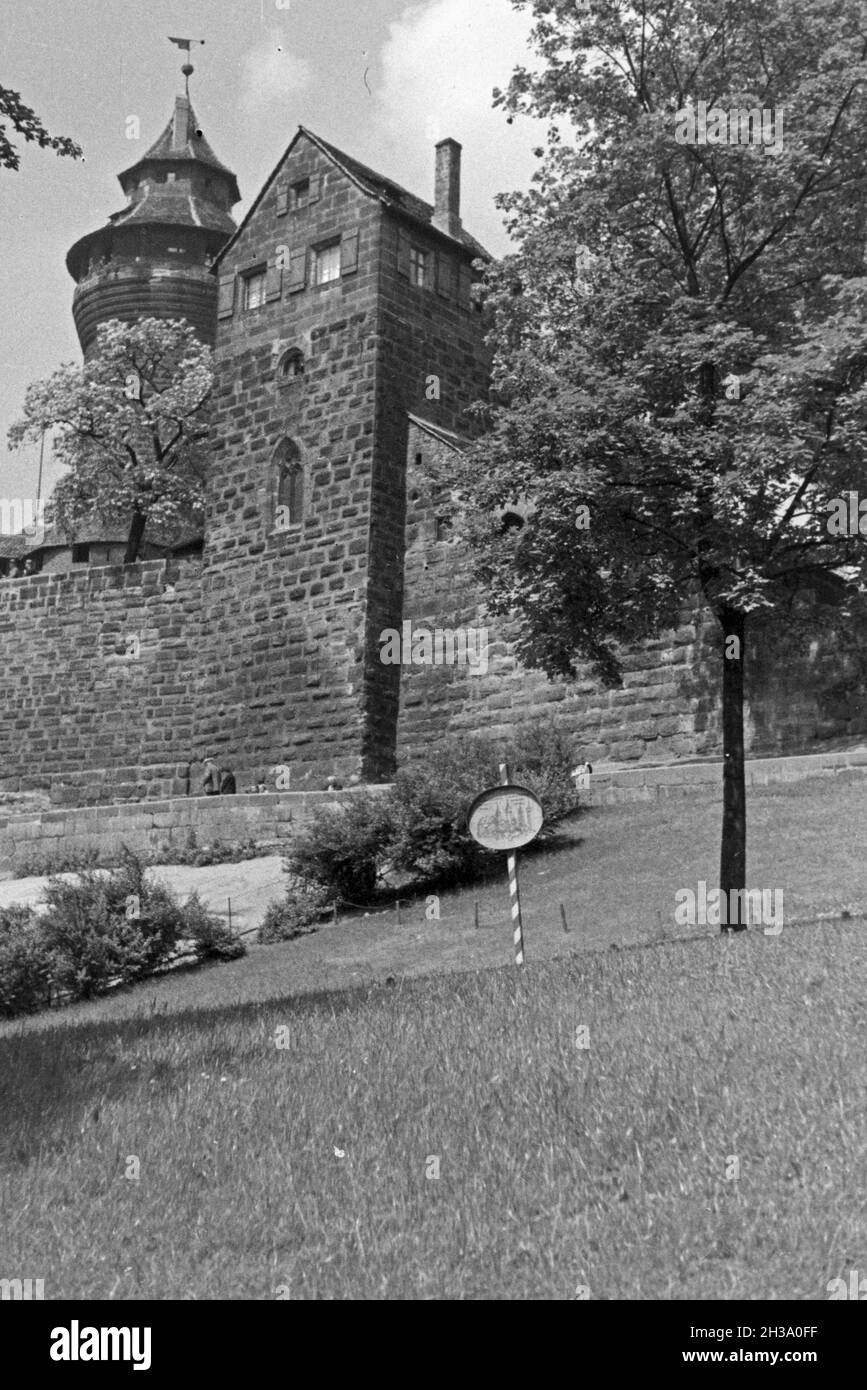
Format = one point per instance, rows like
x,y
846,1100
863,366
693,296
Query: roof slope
x,y
174,204
448,437
191,145
373,184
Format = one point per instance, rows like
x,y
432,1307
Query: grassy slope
x,y
559,1166
617,879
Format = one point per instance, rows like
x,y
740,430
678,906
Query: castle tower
x,y
345,317
153,259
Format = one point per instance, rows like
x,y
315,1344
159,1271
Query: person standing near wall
x,y
219,780
581,776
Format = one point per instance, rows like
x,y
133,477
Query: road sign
x,y
505,817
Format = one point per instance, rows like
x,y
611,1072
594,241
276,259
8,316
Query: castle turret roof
x,y
162,192
181,140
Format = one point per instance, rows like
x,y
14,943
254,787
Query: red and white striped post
x,y
514,888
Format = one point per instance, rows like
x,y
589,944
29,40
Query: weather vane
x,y
188,68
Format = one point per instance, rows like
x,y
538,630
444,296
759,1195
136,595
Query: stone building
x,y
348,346
153,258
345,310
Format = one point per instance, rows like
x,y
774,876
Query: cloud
x,y
437,70
270,76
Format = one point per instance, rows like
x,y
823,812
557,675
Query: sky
x,y
381,79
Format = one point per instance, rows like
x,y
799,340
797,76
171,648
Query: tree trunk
x,y
733,851
134,540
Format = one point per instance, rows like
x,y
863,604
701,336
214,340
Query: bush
x,y
211,937
55,861
420,828
293,915
430,803
52,862
115,925
107,926
93,932
217,852
343,846
542,757
25,963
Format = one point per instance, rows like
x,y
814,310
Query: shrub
x,y
211,937
420,829
294,914
217,852
25,963
542,757
107,926
93,938
343,846
430,802
55,861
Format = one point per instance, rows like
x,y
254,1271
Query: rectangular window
x,y
326,263
418,266
254,289
301,193
80,554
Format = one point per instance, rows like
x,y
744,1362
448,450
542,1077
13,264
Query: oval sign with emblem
x,y
505,817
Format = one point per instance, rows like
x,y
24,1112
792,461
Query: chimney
x,y
447,188
181,123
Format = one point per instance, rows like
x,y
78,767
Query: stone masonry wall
x,y
80,719
292,617
798,697
268,819
283,616
432,362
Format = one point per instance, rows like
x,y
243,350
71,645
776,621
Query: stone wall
x,y
269,819
293,613
644,783
800,695
432,362
284,609
97,681
145,288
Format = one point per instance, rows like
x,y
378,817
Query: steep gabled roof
x,y
396,198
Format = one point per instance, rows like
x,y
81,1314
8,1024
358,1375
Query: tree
x,y
680,341
131,427
27,123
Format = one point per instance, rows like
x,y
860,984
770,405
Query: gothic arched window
x,y
288,485
291,365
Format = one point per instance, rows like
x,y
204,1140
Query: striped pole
x,y
514,889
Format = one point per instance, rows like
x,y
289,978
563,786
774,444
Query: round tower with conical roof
x,y
153,258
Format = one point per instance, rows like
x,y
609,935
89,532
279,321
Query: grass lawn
x,y
309,1169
